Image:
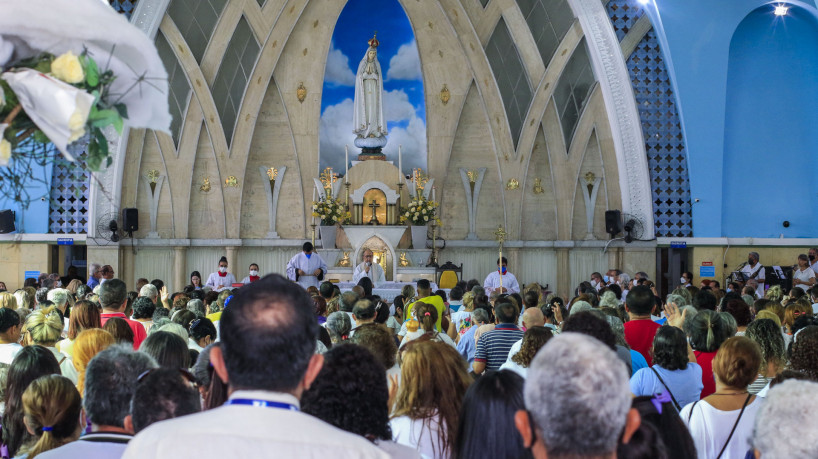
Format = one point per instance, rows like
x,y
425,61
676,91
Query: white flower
x,y
424,211
426,219
323,216
5,146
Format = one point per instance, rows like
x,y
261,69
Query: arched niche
x,y
769,132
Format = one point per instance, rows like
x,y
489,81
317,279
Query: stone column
x,y
563,272
232,254
514,265
180,278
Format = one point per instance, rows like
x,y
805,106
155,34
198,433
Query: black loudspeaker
x,y
6,221
613,222
130,220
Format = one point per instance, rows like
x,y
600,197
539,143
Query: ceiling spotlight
x,y
780,10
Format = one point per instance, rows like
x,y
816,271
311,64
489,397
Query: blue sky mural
x,y
403,103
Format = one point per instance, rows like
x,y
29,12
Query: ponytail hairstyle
x,y
52,410
426,315
707,331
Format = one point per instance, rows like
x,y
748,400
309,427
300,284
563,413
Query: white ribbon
x,y
58,109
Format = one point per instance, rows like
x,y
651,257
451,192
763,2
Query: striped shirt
x,y
492,347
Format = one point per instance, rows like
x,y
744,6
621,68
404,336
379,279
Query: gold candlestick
x,y
313,235
501,234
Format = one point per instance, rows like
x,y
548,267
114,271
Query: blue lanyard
x,y
262,403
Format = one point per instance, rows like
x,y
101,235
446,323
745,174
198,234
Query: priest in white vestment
x,y
369,269
307,268
492,281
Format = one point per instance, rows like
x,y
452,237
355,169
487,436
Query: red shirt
x,y
138,329
639,336
705,360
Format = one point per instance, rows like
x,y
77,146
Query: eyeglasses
x,y
185,374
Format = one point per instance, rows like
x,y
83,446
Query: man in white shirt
x,y
754,270
10,328
307,268
221,279
493,280
813,259
267,358
368,269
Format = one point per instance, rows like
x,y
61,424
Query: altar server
x,y
492,281
221,279
369,269
307,268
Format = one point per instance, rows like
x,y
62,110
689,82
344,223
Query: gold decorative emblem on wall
x,y
403,262
205,188
153,176
301,92
538,189
345,261
590,177
472,175
231,181
445,95
513,184
272,173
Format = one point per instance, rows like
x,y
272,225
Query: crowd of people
x,y
274,369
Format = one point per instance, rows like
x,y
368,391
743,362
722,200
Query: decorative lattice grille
x,y
70,186
661,126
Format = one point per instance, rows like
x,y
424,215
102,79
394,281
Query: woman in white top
x,y
804,276
427,406
427,317
722,424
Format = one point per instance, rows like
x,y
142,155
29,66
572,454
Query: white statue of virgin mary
x,y
368,121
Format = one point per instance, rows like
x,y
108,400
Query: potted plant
x,y
418,214
331,212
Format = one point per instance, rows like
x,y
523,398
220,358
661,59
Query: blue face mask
x,y
308,255
502,270
605,278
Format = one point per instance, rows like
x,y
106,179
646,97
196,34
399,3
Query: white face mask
x,y
254,272
683,280
594,284
222,269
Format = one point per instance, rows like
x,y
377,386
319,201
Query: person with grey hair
x,y
578,400
755,271
111,379
94,275
466,344
641,276
786,426
197,307
346,302
113,296
60,297
580,306
149,291
609,300
338,325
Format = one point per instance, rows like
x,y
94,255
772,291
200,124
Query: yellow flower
x,y
77,125
68,68
5,151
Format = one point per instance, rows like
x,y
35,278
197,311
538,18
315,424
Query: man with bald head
x,y
532,317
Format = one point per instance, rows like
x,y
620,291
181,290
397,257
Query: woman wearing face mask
x,y
686,278
803,276
221,279
253,275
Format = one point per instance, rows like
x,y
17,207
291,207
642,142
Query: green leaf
x,y
93,159
101,141
122,109
91,72
40,137
108,161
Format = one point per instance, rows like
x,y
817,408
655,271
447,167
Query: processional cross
x,y
501,234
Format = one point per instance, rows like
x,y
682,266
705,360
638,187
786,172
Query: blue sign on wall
x,y
707,271
31,274
678,244
65,241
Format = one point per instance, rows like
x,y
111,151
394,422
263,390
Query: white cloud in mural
x,y
336,132
338,70
405,65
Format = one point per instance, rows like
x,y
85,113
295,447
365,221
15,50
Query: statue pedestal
x,y
371,148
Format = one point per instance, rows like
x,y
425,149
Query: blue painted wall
x,y
35,218
770,139
695,37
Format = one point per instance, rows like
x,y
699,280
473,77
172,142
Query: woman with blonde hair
x,y
8,300
73,286
53,414
426,412
792,312
22,297
84,316
88,344
44,327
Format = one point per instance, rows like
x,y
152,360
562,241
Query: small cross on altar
x,y
374,220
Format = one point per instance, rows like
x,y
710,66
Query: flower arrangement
x,y
330,211
420,211
58,99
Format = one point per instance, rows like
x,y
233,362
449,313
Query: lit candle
x,y
400,161
346,163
